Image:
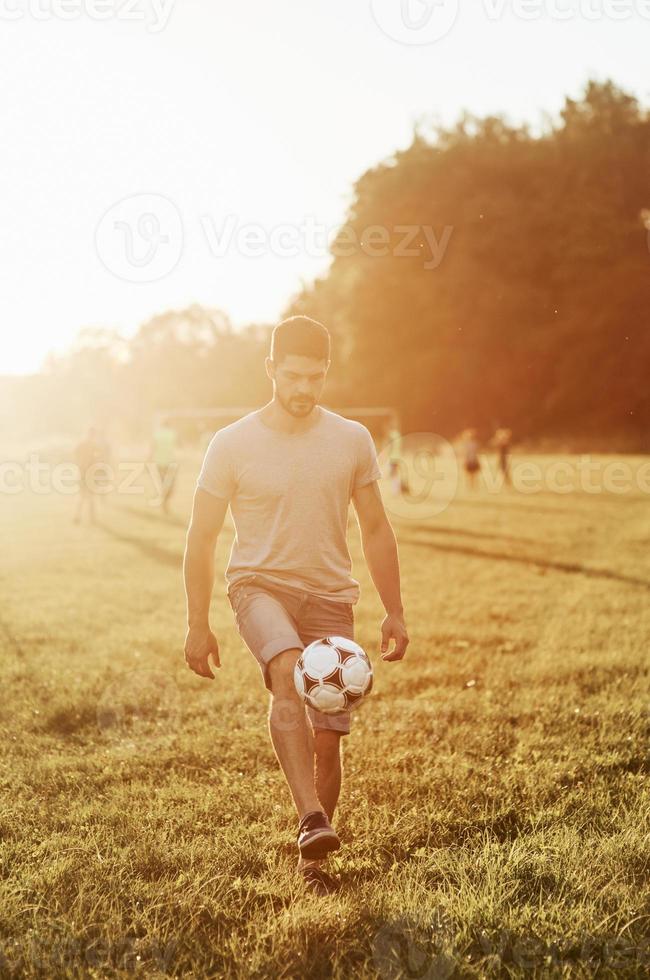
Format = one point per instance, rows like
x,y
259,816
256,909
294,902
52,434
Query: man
x,y
397,469
289,471
470,451
503,442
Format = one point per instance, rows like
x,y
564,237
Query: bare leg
x,y
328,768
291,733
325,748
310,761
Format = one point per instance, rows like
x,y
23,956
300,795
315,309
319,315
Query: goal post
x,y
197,424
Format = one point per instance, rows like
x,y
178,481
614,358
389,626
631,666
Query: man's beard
x,y
295,407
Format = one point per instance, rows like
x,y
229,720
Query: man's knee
x,y
287,709
280,670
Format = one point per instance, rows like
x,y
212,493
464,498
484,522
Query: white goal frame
x,y
216,418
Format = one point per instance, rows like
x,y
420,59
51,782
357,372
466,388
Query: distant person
x,y
471,461
104,455
163,451
397,478
87,455
503,441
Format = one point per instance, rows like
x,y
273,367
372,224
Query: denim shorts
x,y
272,618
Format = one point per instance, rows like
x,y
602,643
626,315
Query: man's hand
x,y
200,643
394,628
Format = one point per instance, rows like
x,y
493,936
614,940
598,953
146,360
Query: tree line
x,y
485,276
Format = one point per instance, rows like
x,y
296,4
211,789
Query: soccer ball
x,y
333,675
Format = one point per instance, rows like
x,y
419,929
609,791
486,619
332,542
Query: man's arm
x,y
208,514
380,551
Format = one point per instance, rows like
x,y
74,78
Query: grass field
x,y
495,810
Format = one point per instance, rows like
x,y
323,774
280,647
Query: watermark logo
x,y
403,948
415,22
421,470
140,239
430,950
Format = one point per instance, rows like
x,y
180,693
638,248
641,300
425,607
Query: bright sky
x,y
232,133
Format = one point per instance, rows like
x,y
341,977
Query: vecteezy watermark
x,y
418,22
317,240
422,475
43,477
154,14
565,10
140,239
60,955
431,950
529,952
415,22
582,475
421,471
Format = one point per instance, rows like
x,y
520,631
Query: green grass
x,y
495,804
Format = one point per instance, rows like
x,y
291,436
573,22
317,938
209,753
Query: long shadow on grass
x,y
11,638
502,827
170,520
172,558
507,503
155,517
571,568
463,532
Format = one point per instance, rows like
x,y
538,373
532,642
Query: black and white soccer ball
x,y
333,675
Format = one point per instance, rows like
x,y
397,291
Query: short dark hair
x,y
300,335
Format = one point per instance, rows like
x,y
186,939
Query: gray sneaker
x,y
316,836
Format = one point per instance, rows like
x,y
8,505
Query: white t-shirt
x,y
289,498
